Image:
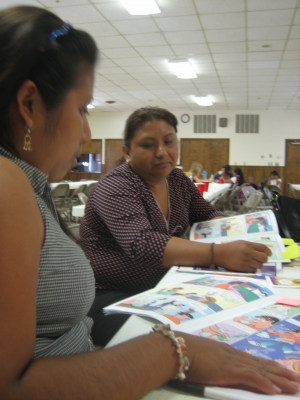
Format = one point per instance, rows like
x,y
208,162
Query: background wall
x,y
245,149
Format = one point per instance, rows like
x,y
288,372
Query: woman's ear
x,y
126,154
27,97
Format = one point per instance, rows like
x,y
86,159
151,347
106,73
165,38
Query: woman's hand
x,y
214,363
241,255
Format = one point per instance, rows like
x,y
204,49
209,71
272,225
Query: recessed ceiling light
x,y
182,69
110,101
203,101
141,7
90,106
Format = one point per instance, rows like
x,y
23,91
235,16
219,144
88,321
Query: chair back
x,y
60,190
89,188
80,189
247,190
251,202
82,198
275,189
292,191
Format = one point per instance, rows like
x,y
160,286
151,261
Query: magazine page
x,y
284,282
262,223
187,305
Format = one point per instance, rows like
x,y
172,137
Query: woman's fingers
x,y
268,376
244,256
216,363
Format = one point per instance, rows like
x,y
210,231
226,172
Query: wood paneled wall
x,y
210,153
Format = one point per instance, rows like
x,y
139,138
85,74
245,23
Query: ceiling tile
x,y
268,33
78,14
226,35
270,18
254,5
219,6
223,39
184,37
223,21
185,23
97,29
111,42
139,26
146,39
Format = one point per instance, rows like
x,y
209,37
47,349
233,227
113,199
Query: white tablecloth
x,y
78,211
296,186
72,185
215,190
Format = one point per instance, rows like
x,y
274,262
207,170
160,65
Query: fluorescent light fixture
x,y
90,106
182,69
203,101
141,7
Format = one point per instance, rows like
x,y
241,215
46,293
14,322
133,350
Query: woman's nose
x,y
160,150
86,133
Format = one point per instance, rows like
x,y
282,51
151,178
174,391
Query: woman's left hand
x,y
214,363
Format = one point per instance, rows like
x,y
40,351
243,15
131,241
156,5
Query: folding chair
x,y
60,196
292,191
89,188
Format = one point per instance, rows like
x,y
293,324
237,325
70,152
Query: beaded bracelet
x,y
180,348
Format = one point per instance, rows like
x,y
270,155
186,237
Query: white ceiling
x,y
224,40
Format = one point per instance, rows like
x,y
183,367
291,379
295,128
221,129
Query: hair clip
x,y
56,34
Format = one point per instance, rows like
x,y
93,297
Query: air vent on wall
x,y
205,123
247,124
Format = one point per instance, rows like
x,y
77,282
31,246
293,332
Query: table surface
x,y
296,186
215,190
136,326
72,185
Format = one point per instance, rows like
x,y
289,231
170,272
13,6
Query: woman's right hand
x,y
241,255
214,363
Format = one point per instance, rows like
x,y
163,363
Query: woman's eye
x,y
169,142
147,146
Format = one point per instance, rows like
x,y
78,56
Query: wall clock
x,y
185,118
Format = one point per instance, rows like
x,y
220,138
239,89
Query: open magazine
x,y
259,227
242,312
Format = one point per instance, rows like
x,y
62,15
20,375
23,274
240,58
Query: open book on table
x,y
242,312
259,227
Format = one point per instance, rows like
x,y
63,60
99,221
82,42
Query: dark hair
x,y
227,168
26,53
142,116
240,174
274,173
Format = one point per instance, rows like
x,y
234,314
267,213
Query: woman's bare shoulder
x,y
11,175
14,183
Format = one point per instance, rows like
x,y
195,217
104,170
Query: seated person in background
x,y
273,179
251,183
218,174
239,177
137,213
227,174
47,284
196,169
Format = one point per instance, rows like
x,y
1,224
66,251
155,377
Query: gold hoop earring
x,y
27,139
